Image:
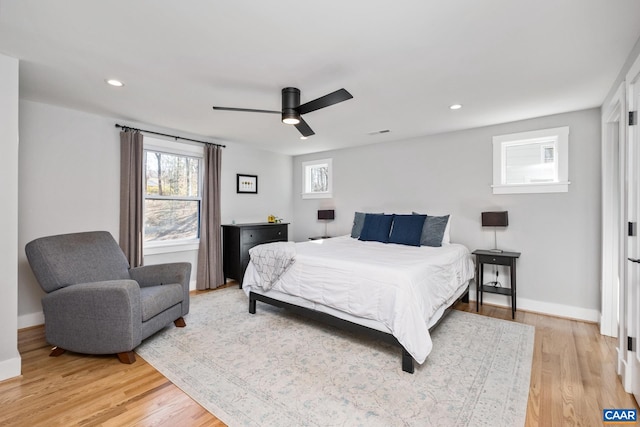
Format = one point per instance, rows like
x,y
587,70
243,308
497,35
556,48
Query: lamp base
x,y
496,250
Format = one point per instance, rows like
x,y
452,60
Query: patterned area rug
x,y
277,369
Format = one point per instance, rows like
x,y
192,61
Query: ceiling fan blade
x,y
325,101
246,110
304,128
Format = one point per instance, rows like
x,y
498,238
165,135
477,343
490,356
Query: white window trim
x,y
179,148
561,157
317,195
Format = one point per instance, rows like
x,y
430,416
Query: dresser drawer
x,y
272,233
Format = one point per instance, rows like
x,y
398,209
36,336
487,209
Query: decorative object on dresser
x,y
326,215
496,258
237,239
495,219
247,184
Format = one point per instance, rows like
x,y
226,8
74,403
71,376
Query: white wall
x,y
558,234
69,182
10,361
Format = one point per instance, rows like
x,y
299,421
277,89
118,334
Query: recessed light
x,y
455,106
303,137
114,82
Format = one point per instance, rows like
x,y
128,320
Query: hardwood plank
x,y
573,377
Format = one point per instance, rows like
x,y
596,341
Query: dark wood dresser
x,y
237,239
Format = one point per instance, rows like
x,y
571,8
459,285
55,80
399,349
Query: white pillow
x,y
446,239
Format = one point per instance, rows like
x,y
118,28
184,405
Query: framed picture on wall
x,y
246,183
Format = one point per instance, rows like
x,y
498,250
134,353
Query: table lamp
x,y
495,220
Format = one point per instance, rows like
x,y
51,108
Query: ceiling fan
x,y
292,111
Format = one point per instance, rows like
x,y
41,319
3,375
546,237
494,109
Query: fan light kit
x,y
292,111
114,82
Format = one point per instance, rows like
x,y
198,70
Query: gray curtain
x,y
210,274
131,196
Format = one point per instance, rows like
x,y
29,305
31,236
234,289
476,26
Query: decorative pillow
x,y
407,229
358,223
446,239
433,230
376,227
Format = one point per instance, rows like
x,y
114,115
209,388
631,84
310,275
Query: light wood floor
x,y
572,379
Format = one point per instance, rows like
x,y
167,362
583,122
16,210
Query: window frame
x,y
306,183
177,149
560,137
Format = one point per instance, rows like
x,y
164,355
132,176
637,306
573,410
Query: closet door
x,y
633,213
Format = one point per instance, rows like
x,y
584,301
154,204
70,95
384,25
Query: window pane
x,y
171,175
171,219
524,163
319,178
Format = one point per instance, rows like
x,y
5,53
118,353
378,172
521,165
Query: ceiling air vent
x,y
376,132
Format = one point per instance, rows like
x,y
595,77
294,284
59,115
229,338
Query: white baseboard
x,y
31,319
550,308
11,368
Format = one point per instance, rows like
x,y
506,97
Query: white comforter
x,y
400,286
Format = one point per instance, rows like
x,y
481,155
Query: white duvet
x,y
401,287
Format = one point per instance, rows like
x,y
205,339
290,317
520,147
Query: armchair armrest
x,y
158,274
94,318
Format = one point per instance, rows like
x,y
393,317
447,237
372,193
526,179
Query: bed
x,y
394,292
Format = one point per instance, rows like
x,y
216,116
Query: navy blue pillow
x,y
407,229
376,228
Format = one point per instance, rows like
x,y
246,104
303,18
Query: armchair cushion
x,y
156,299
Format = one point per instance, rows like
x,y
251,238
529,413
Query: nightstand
x,y
496,258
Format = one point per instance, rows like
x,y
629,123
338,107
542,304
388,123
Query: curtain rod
x,y
170,136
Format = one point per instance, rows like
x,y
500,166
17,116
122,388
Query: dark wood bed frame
x,y
407,360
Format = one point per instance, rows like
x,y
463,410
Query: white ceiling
x,y
404,62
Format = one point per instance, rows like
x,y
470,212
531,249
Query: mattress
x,y
398,289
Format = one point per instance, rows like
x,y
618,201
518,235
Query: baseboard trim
x,y
11,368
31,319
548,308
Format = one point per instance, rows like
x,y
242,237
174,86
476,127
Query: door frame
x,y
614,217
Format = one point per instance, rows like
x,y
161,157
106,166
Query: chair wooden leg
x,y
56,351
179,322
127,357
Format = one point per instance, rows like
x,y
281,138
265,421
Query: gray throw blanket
x,y
272,260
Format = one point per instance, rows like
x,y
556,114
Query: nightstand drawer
x,y
494,259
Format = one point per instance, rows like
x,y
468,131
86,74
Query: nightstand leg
x,y
513,289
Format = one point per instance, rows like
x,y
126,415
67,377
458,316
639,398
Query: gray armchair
x,y
95,303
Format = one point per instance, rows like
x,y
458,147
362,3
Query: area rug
x,y
274,368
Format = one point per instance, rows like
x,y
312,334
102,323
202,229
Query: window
x,y
172,193
317,179
531,162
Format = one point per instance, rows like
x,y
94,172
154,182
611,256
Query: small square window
x,y
531,162
317,179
